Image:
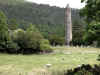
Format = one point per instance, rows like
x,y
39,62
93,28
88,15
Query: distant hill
x,y
13,2
49,19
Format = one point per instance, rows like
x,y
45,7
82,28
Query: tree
x,y
12,24
41,15
91,11
20,38
28,40
6,42
4,36
93,33
34,37
3,21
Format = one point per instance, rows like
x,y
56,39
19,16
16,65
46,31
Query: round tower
x,y
68,26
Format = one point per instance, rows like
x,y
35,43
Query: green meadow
x,y
62,58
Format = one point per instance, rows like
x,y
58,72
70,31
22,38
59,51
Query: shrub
x,y
12,47
27,41
84,70
30,41
98,44
98,57
93,33
45,46
19,37
76,42
56,40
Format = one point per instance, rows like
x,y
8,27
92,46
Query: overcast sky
x,y
60,3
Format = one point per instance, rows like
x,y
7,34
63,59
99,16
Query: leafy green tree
x,y
91,11
36,40
34,37
20,38
93,33
3,21
4,36
12,24
12,47
28,40
6,42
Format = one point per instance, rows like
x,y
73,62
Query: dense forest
x,y
49,20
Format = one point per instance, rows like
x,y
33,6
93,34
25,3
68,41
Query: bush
x,y
30,41
12,47
93,33
56,40
98,57
84,70
76,42
98,45
45,46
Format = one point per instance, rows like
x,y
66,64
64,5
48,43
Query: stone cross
x,y
68,26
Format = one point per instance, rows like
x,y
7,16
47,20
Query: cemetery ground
x,y
62,58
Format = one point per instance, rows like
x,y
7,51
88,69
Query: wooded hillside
x,y
48,19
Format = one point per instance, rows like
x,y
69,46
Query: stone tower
x,y
68,26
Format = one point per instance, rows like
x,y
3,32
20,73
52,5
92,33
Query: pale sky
x,y
60,3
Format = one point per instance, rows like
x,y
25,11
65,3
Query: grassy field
x,y
62,58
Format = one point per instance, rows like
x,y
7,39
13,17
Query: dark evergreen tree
x,y
3,30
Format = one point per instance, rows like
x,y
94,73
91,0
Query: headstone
x,y
48,65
